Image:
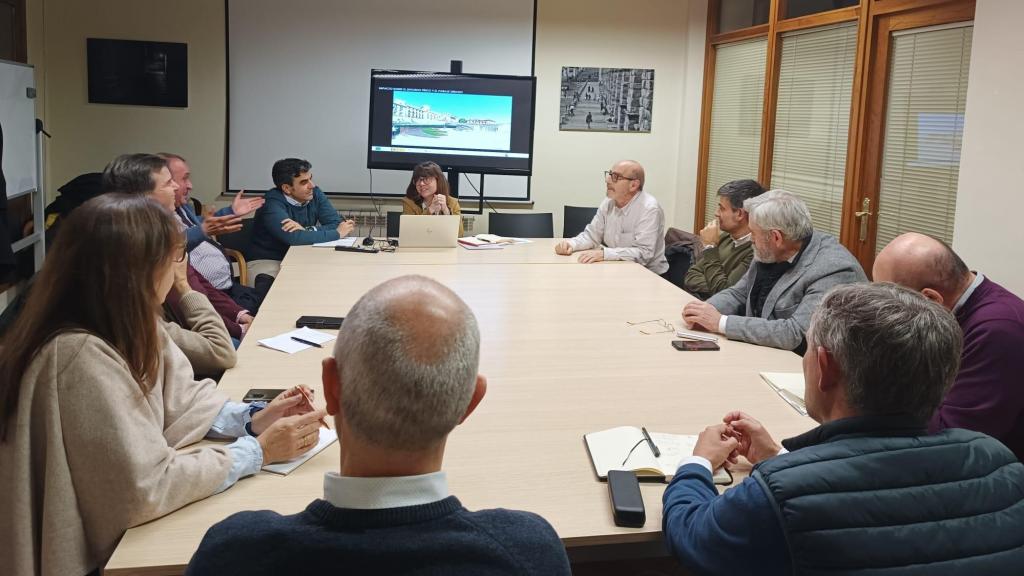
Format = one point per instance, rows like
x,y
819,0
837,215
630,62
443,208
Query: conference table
x,y
567,349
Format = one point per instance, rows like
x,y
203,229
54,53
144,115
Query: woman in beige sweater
x,y
427,194
95,399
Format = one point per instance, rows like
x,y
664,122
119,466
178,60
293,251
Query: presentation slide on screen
x,y
451,121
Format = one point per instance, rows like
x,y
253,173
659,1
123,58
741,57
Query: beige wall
x,y
567,170
988,233
87,136
567,165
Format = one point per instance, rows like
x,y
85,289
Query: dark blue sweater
x,y
437,538
270,242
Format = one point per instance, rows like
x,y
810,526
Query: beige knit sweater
x,y
88,455
204,339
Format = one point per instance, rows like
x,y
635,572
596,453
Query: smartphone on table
x,y
694,345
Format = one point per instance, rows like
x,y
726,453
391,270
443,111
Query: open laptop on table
x,y
428,231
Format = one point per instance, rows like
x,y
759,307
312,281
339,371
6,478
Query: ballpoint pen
x,y
650,442
309,400
696,336
306,342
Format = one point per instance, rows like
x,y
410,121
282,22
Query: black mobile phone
x,y
261,394
627,502
694,345
322,322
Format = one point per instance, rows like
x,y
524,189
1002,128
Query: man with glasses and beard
x,y
794,266
629,224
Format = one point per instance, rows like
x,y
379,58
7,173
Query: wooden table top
x,y
560,360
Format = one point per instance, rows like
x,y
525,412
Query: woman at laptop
x,y
427,194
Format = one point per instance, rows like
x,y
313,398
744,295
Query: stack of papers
x,y
350,241
489,242
285,342
327,437
789,386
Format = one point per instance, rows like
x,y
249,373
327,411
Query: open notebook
x,y
327,437
609,449
789,386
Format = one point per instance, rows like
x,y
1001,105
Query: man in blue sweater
x,y
296,213
403,375
869,491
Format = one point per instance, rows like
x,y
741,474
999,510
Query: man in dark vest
x,y
869,491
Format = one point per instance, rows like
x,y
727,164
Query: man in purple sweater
x,y
988,395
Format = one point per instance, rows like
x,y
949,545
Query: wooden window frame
x,y
867,103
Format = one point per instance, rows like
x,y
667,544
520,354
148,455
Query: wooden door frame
x,y
865,163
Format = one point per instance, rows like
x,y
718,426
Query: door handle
x,y
863,216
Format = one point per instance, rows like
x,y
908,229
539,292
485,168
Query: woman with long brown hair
x,y
427,193
95,399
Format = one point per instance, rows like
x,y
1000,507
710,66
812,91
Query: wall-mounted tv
x,y
475,123
137,72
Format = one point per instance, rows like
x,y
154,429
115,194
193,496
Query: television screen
x,y
137,72
467,122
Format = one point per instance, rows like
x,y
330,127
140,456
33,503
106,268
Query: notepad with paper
x,y
349,241
327,437
609,449
490,241
285,342
789,386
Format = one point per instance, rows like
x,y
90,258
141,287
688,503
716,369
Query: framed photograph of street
x,y
606,99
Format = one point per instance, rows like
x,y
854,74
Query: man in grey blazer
x,y
793,268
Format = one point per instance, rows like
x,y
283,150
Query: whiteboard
x,y
299,79
18,120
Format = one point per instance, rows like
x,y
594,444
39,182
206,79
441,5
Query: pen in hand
x,y
306,342
309,400
650,442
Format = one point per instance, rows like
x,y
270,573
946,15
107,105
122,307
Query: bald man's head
x,y
407,359
921,262
631,169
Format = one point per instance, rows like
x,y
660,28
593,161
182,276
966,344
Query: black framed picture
x,y
138,72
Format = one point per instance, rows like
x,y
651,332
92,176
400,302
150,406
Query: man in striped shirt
x,y
205,255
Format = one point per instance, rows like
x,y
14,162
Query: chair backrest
x,y
521,225
575,220
197,205
394,221
239,240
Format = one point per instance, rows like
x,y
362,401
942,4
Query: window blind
x,y
812,119
735,134
924,127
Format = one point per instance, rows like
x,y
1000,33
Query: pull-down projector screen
x,y
299,80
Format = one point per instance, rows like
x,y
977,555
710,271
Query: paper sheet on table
x,y
484,246
327,437
350,241
284,342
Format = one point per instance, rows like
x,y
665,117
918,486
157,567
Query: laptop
x,y
428,231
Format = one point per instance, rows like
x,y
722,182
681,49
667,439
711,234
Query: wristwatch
x,y
253,409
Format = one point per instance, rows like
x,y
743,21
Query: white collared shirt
x,y
737,242
635,232
978,279
384,492
295,202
